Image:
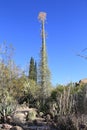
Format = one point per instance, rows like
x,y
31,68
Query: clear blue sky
x,y
66,27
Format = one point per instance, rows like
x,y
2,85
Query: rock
x,y
23,112
83,81
9,119
19,118
6,126
16,128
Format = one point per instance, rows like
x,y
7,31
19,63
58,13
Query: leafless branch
x,y
82,55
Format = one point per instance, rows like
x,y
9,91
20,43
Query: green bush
x,y
31,115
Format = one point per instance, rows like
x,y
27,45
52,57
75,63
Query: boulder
x,y
83,81
6,126
16,128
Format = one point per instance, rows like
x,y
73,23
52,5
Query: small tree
x,y
7,74
35,74
33,70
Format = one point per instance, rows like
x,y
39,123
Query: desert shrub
x,y
31,115
41,114
65,124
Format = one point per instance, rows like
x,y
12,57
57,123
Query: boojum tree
x,y
44,73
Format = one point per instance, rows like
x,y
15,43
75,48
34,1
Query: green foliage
x,y
80,99
30,93
65,124
41,114
9,73
33,70
7,104
31,115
